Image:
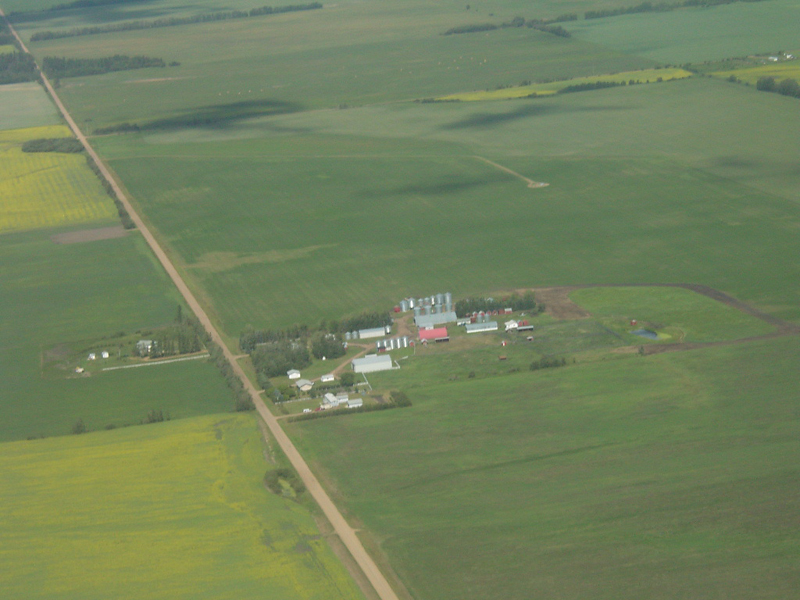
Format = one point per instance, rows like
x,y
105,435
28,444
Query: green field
x,y
681,314
751,75
23,105
656,477
171,510
698,34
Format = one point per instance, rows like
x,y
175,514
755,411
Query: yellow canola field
x,y
779,71
46,189
546,89
170,510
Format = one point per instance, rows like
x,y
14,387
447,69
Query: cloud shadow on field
x,y
486,120
214,116
436,188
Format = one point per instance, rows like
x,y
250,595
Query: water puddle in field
x,y
646,333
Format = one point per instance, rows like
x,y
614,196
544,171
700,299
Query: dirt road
x,y
346,533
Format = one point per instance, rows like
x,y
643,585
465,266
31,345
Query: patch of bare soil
x,y
558,305
89,235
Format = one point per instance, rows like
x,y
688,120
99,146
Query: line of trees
x,y
124,217
787,87
63,145
657,7
586,87
327,345
276,358
515,301
171,21
545,25
548,363
59,68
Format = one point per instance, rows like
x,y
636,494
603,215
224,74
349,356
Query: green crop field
x,y
697,34
687,315
23,105
171,510
56,294
779,71
657,477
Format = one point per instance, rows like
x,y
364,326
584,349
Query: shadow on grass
x,y
213,116
486,120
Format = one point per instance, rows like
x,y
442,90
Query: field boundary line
x,y
531,183
155,363
342,528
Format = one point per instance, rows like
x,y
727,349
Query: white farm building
x,y
481,327
371,363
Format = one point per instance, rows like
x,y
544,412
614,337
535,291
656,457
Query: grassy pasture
x,y
24,105
643,76
695,317
190,518
348,53
47,189
653,477
779,71
697,35
58,294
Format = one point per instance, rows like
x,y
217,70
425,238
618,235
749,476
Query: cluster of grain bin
x,y
437,303
392,343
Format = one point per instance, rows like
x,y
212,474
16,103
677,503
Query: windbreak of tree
x,y
17,67
59,68
515,301
787,87
593,85
124,217
327,345
276,358
85,4
172,21
539,24
365,320
657,7
250,337
179,338
63,145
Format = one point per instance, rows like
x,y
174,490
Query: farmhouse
x,y
293,374
144,347
329,401
512,325
481,327
104,354
327,378
371,363
304,385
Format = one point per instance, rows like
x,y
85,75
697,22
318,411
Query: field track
x,y
346,533
558,304
531,183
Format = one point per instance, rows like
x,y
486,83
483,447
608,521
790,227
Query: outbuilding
x,y
304,385
371,363
355,403
293,374
365,334
327,378
439,333
481,327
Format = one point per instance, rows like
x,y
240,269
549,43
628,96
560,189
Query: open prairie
x,y
170,510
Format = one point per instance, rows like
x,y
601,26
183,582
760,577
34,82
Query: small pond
x,y
646,333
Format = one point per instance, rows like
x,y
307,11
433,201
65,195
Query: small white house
x,y
355,403
104,354
327,378
512,325
293,374
92,356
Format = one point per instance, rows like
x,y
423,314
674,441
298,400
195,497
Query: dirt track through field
x,y
346,533
531,183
